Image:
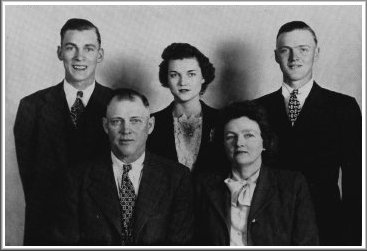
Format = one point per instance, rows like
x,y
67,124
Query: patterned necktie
x,y
127,202
77,108
294,106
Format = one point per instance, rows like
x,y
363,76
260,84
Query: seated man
x,y
129,197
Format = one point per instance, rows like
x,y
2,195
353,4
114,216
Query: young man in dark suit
x,y
129,196
58,127
320,132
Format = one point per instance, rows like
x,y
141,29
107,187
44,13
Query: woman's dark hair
x,y
181,51
254,111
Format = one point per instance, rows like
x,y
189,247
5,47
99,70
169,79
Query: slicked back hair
x,y
80,25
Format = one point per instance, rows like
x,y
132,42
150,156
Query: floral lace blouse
x,y
188,132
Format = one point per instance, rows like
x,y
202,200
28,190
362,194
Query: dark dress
x,y
162,139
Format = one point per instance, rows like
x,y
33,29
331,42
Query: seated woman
x,y
251,203
183,129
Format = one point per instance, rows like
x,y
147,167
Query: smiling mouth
x,y
79,67
292,67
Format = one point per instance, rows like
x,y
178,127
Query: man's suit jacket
x,y
325,137
162,139
281,211
163,211
47,145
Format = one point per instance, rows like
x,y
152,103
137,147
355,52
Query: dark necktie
x,y
294,106
127,202
77,108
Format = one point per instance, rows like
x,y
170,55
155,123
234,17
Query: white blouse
x,y
188,132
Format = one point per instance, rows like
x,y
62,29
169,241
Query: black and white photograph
x,y
183,124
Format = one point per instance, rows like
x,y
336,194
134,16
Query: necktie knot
x,y
79,94
294,92
126,168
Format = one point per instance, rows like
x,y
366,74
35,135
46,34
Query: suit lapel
x,y
263,193
152,186
102,188
55,110
281,113
313,103
219,196
55,121
169,131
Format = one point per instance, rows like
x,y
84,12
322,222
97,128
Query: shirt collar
x,y
71,91
136,166
303,90
252,178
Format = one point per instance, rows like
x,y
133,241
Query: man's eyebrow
x,y
90,45
69,43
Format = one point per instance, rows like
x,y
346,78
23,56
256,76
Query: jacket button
x,y
253,221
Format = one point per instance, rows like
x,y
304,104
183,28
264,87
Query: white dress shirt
x,y
71,92
301,96
134,174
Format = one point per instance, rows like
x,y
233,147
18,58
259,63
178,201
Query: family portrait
x,y
183,124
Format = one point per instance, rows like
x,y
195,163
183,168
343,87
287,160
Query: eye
x,y
115,122
229,137
248,135
136,120
69,48
172,75
192,74
90,49
283,50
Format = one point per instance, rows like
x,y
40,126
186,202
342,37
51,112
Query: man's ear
x,y
276,56
105,124
100,55
317,54
59,53
151,123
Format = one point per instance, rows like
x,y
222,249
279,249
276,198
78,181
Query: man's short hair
x,y
296,25
128,94
80,25
181,51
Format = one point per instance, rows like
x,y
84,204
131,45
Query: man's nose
x,y
125,128
79,54
294,54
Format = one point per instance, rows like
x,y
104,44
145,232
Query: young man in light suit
x,y
319,133
59,126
